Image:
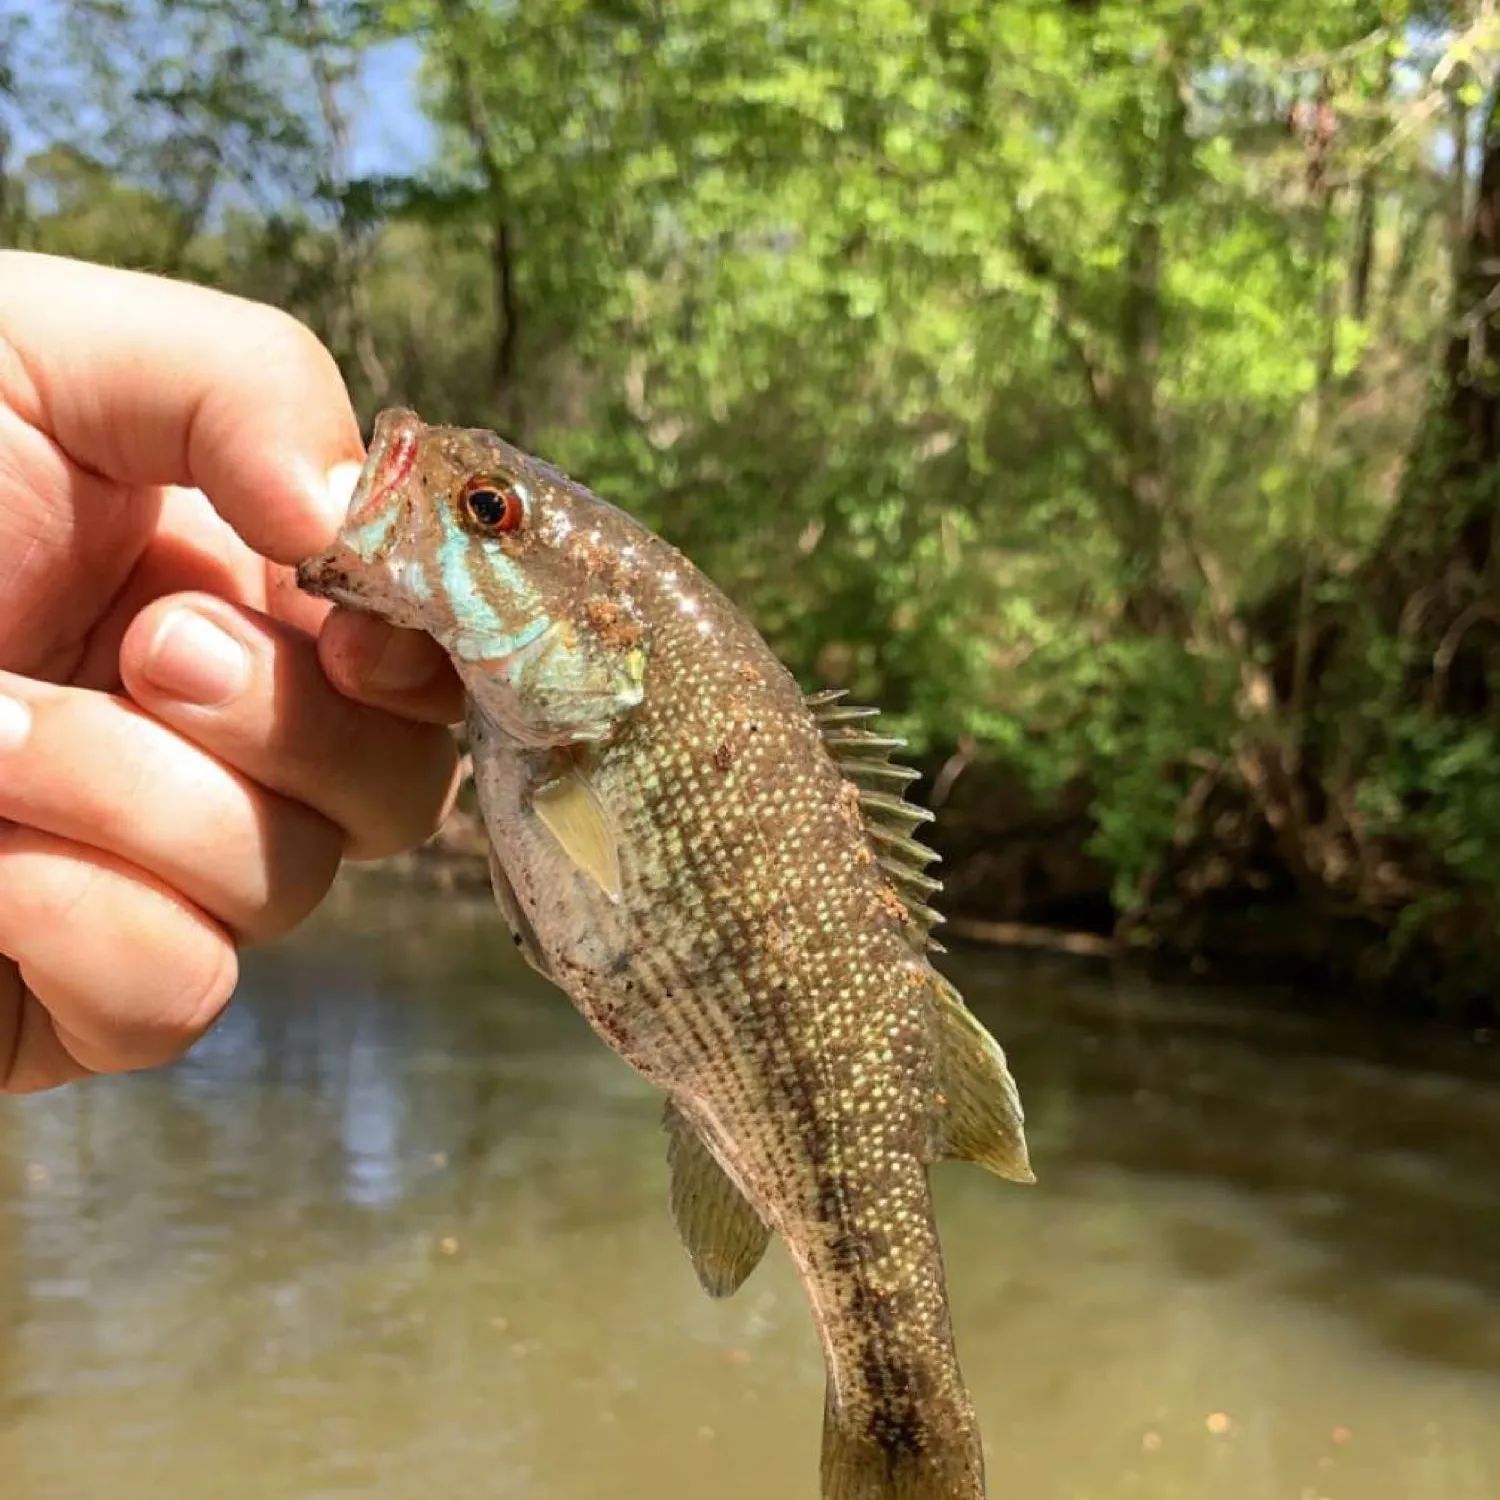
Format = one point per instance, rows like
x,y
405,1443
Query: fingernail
x,y
15,723
407,660
196,660
340,486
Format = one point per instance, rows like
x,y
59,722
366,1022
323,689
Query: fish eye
x,y
493,506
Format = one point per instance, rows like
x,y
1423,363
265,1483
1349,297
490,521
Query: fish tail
x,y
877,1460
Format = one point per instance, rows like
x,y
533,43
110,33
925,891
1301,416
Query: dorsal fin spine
x,y
862,757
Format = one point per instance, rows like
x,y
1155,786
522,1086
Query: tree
x,y
1045,374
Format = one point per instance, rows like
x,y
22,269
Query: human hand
x,y
188,744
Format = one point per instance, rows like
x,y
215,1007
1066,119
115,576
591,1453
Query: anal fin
x,y
724,1235
980,1117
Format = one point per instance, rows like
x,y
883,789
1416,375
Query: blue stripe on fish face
x,y
375,535
481,630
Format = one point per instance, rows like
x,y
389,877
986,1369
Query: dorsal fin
x,y
864,759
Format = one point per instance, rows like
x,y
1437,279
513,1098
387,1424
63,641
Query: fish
x,y
721,872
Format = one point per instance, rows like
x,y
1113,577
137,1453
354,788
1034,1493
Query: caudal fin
x,y
886,1459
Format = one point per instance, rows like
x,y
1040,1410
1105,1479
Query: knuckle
x,y
49,890
78,767
301,869
316,750
388,824
287,344
204,981
142,971
110,808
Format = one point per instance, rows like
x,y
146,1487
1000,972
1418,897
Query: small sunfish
x,y
720,873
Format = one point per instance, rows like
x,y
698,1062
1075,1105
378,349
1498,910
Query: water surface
x,y
397,1229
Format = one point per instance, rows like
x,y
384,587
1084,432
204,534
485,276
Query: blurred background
x,y
1107,390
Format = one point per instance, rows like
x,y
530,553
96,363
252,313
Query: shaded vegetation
x,y
1108,389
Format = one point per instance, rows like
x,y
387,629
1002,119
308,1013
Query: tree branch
x,y
484,139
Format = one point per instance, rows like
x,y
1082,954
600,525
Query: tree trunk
x,y
1458,201
351,240
1366,212
1154,605
485,143
1438,551
503,373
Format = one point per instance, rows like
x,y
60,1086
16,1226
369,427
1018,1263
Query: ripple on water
x,y
399,1229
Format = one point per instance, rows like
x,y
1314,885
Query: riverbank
x,y
1020,874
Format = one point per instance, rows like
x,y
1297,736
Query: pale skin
x,y
188,745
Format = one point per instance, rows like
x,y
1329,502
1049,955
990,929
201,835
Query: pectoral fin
x,y
722,1231
570,810
980,1117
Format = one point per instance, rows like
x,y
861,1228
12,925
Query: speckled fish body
x,y
718,870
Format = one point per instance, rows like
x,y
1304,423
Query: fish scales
x,y
826,1129
678,846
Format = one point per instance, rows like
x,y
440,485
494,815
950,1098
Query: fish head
x,y
521,575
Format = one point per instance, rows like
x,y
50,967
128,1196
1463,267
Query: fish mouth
x,y
392,456
327,576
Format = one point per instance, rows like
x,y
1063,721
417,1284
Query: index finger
x,y
147,381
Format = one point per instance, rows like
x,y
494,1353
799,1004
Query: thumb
x,y
147,381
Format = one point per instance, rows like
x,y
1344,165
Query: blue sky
x,y
390,133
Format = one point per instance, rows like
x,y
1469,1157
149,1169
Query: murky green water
x,y
398,1230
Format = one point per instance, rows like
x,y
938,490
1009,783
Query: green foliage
x,y
1005,360
1434,782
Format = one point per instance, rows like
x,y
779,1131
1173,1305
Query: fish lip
x,y
392,454
326,576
